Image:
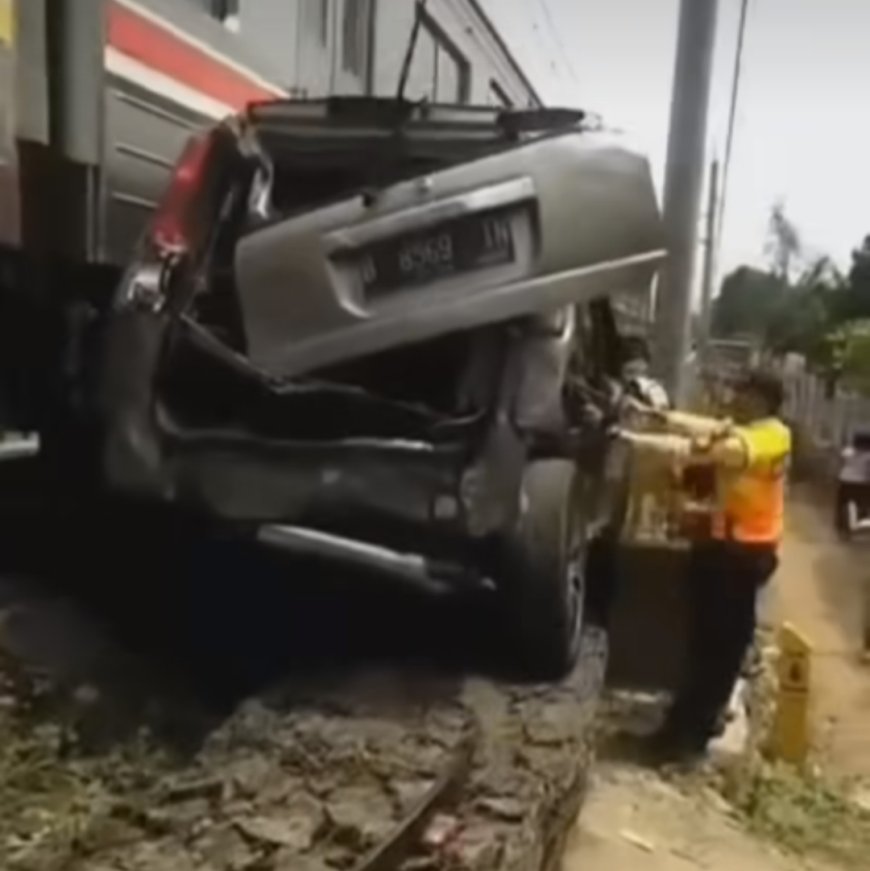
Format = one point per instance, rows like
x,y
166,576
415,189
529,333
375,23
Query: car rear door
x,y
508,226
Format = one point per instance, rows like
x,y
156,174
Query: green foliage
x,y
747,303
807,815
854,301
785,316
823,314
804,314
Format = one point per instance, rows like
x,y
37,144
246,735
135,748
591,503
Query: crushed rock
x,y
309,777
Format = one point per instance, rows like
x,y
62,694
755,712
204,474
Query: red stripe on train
x,y
163,51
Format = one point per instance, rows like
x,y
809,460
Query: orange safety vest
x,y
751,501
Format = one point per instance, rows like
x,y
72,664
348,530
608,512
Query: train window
x,y
451,73
439,71
421,79
451,76
355,32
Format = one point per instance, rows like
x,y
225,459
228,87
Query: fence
x,y
822,419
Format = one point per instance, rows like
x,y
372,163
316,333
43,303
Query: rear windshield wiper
x,y
517,121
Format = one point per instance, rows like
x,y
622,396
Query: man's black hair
x,y
768,386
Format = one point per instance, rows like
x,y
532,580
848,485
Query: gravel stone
x,y
313,774
295,826
248,777
361,815
225,848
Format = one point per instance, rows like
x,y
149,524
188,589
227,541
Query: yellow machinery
x,y
669,505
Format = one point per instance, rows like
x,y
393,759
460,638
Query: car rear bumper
x,y
493,305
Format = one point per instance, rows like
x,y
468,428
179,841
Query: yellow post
x,y
789,739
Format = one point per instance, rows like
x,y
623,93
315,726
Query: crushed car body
x,y
352,328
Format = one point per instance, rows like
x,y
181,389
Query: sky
x,y
803,125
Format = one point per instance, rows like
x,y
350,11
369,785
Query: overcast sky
x,y
803,131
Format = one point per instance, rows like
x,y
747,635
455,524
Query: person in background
x,y
853,481
635,375
728,567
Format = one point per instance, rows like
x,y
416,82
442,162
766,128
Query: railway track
x,y
385,756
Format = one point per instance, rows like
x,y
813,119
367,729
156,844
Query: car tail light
x,y
174,229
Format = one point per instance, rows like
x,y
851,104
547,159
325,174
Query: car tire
x,y
542,579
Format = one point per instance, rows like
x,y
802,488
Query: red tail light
x,y
173,229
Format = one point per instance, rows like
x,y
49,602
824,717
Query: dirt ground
x,y
820,589
635,819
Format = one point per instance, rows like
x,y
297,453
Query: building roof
x,y
503,46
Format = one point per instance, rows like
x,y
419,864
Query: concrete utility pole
x,y
711,244
684,175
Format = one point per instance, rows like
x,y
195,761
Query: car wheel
x,y
542,578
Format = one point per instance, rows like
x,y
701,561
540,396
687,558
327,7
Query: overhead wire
x,y
732,118
554,34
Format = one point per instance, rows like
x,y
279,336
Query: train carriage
x,y
97,98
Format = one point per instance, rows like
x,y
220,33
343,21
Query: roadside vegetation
x,y
803,811
807,814
802,305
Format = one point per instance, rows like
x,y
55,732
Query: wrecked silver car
x,y
353,328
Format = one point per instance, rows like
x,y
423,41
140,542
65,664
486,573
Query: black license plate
x,y
460,246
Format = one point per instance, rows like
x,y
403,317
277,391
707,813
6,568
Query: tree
x,y
746,303
822,314
786,316
860,271
784,245
803,315
855,300
750,297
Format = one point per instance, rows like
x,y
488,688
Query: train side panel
x,y
170,69
172,66
98,96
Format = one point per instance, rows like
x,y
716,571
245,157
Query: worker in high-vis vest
x,y
727,568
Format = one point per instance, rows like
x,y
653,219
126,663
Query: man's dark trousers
x,y
724,579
